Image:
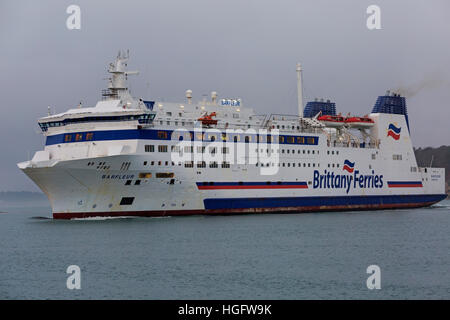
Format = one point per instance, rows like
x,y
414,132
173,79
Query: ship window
x,y
162,134
290,139
89,136
149,148
200,149
78,137
189,164
145,175
213,165
225,164
247,139
165,174
68,138
128,182
126,201
138,182
162,148
201,164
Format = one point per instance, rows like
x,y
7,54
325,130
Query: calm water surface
x,y
292,256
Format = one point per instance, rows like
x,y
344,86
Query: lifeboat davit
x,y
207,119
332,121
359,122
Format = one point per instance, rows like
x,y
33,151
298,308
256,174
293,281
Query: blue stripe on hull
x,y
382,201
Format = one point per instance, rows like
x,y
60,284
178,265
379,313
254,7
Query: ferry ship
x,y
129,156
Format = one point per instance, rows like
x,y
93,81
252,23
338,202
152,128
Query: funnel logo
x,y
348,166
394,132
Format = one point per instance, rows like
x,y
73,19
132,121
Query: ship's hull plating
x,y
402,203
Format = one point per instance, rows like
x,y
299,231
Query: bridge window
x,y
149,148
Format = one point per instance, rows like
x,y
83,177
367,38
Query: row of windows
x,y
289,164
79,137
225,164
213,150
143,118
397,157
237,137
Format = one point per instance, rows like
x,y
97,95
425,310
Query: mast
x,y
299,90
117,87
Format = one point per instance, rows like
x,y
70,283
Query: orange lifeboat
x,y
207,119
359,122
332,121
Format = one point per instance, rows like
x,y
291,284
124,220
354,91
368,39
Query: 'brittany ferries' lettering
x,y
330,180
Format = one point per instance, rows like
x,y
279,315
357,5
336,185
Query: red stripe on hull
x,y
162,213
252,187
404,185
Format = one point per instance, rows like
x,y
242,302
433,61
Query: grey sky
x,y
240,48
